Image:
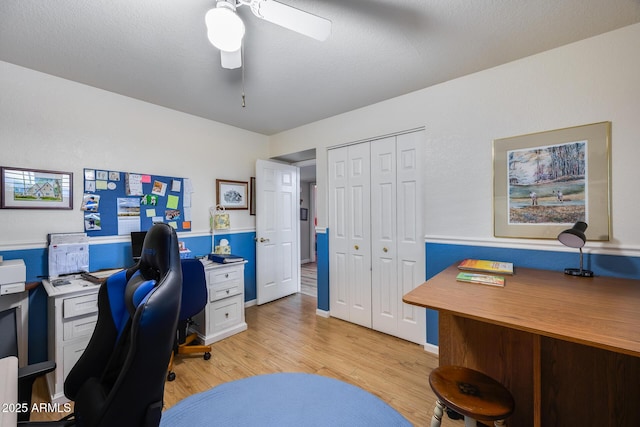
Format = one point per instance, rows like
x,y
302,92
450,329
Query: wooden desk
x,y
567,347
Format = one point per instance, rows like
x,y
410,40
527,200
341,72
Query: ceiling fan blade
x,y
291,18
231,60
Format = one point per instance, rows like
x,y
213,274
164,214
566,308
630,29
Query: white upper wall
x,y
590,81
55,124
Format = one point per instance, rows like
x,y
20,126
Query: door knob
x,y
262,240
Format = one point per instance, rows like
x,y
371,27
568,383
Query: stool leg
x,y
470,422
437,414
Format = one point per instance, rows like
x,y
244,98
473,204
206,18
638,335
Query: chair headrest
x,y
160,252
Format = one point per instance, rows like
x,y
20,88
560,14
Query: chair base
x,y
188,348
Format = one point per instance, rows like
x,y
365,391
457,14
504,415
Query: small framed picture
x,y
35,189
232,194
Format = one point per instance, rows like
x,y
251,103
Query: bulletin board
x,y
117,203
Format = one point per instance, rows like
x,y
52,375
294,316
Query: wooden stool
x,y
470,393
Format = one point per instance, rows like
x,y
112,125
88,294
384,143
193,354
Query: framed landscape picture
x,y
232,194
35,189
545,182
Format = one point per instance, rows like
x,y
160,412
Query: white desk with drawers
x,y
72,316
224,314
73,313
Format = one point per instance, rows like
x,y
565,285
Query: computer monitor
x,y
137,240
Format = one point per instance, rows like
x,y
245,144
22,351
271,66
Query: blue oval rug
x,y
284,399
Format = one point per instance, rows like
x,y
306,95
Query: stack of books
x,y
474,271
225,258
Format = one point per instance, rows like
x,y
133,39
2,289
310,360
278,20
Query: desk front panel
x,y
588,386
554,382
502,353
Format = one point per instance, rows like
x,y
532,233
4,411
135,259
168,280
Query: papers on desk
x,y
99,277
68,253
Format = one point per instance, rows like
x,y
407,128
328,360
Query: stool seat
x,y
471,393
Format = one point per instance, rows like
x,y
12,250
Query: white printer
x,y
13,275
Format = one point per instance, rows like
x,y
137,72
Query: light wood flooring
x,y
309,279
287,336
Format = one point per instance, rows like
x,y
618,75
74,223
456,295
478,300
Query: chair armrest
x,y
26,377
31,372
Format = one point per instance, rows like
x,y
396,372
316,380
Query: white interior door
x,y
277,231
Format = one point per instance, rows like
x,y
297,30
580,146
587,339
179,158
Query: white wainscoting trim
x,y
592,247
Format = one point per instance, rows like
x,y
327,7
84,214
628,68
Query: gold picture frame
x,y
544,182
232,194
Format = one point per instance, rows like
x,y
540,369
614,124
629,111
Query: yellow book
x,y
486,266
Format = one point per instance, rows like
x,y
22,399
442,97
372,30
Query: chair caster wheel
x,y
207,356
171,376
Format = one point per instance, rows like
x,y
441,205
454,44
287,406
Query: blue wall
x,y
322,253
115,255
440,256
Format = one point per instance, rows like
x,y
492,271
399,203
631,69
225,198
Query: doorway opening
x,y
306,162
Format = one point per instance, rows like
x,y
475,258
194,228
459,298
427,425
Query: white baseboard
x,y
433,349
250,303
322,313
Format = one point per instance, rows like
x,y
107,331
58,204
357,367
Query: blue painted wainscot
x,y
116,254
441,255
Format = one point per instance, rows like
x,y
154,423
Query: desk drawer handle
x,y
226,315
385,250
227,291
226,276
356,247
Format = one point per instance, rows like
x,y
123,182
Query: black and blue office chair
x,y
119,379
194,300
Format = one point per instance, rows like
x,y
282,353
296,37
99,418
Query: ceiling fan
x,y
225,29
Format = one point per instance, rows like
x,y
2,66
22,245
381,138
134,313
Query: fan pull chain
x,y
242,53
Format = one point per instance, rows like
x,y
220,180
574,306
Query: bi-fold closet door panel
x,y
396,234
384,250
350,234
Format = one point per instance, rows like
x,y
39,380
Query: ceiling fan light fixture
x,y
225,29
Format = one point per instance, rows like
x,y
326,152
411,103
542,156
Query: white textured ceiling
x,y
157,50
